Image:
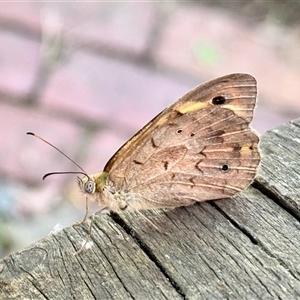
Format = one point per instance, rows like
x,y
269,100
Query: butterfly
x,y
199,148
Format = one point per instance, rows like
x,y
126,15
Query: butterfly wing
x,y
199,148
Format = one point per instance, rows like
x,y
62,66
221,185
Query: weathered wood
x,y
246,247
113,268
279,175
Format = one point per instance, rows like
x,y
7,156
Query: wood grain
x,y
279,174
113,268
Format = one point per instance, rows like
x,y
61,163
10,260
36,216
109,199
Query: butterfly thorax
x,y
99,188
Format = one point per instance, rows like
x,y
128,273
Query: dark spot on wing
x,y
225,168
166,164
218,100
153,143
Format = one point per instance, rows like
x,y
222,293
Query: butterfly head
x,y
91,184
87,185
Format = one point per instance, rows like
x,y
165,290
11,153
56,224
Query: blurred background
x,y
86,76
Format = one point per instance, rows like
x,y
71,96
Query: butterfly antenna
x,y
65,155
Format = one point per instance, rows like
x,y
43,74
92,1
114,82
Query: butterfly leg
x,y
87,237
86,213
90,229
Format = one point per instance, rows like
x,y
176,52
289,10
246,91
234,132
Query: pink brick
x,y
106,90
119,26
209,43
19,62
26,15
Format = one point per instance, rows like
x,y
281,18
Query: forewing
x,y
239,89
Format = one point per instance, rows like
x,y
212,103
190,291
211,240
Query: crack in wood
x,y
116,217
254,240
290,209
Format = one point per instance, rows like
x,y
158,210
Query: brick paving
x,y
86,76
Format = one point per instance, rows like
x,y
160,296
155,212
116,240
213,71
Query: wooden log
x,y
246,247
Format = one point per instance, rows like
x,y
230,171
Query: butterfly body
x,y
199,148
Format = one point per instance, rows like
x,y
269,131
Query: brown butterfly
x,y
199,148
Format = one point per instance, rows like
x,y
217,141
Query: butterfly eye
x,y
89,187
225,168
192,134
179,131
218,100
